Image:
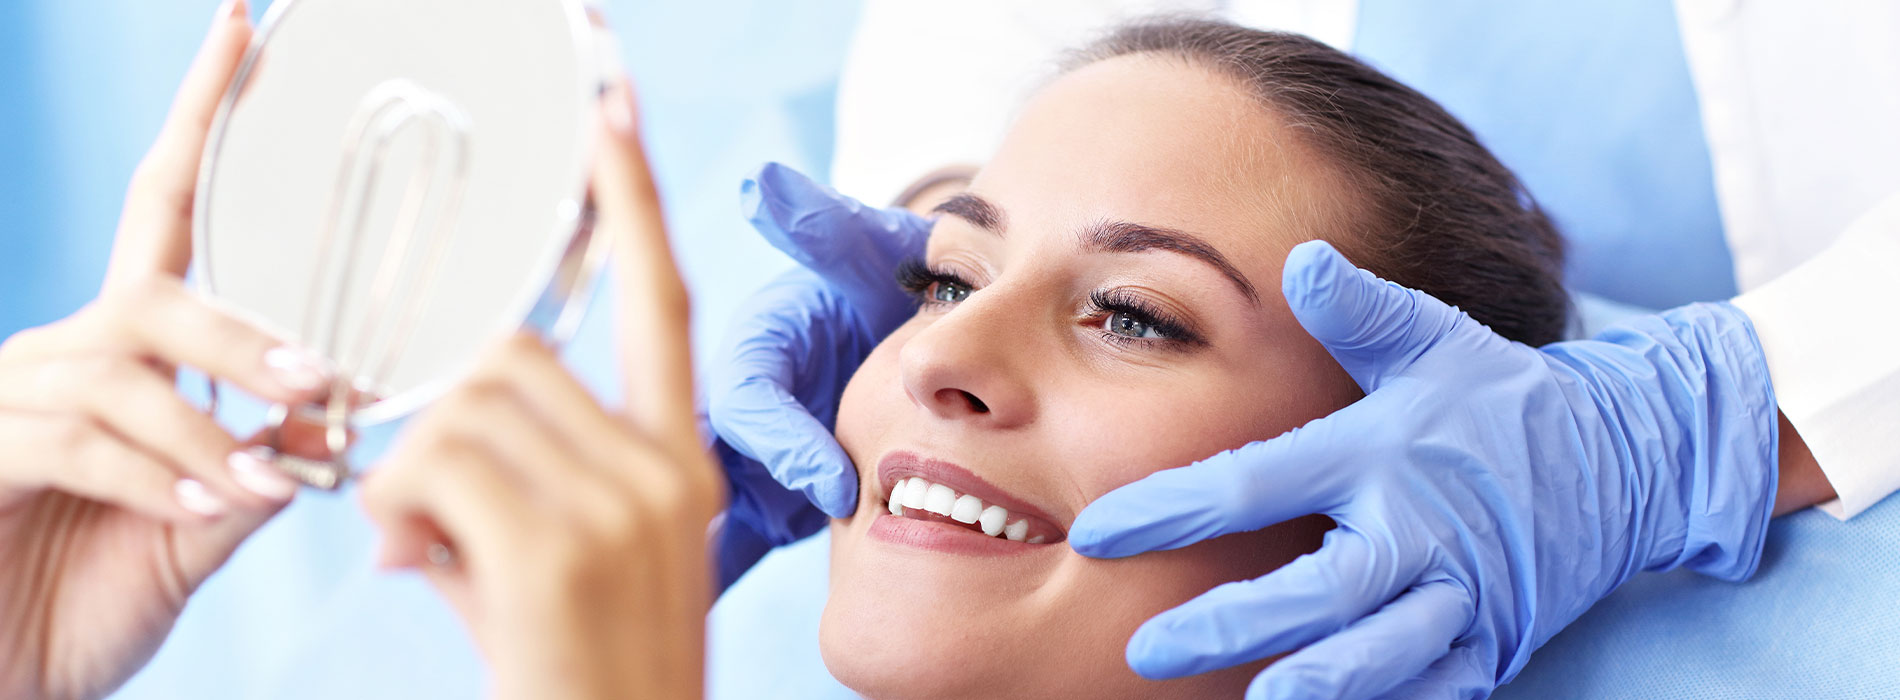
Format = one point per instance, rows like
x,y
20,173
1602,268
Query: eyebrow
x,y
974,209
1109,237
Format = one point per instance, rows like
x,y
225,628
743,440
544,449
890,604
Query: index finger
x,y
1308,470
155,228
853,246
653,310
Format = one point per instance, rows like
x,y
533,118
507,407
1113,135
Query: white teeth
x,y
966,509
992,520
939,499
914,493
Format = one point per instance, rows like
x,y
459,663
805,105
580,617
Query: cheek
x,y
1106,439
873,392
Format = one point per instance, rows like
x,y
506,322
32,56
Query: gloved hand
x,y
1486,492
774,396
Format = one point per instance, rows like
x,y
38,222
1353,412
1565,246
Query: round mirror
x,y
395,185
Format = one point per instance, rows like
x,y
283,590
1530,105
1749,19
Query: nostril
x,y
976,404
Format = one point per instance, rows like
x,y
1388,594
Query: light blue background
x,y
1589,102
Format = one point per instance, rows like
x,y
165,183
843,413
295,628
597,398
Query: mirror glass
x,y
466,122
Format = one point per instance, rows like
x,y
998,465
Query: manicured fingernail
x,y
252,470
240,9
228,9
295,369
198,499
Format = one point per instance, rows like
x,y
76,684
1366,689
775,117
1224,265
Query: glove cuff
x,y
1724,410
1735,487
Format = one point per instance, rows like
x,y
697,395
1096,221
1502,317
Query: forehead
x,y
1159,141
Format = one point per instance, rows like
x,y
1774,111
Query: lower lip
x,y
943,537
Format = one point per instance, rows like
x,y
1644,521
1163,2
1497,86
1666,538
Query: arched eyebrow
x,y
1109,237
976,210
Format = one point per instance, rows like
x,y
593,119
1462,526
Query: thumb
x,y
853,246
1375,329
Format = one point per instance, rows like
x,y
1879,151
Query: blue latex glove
x,y
1486,492
774,396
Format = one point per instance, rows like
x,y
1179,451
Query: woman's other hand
x,y
117,496
578,533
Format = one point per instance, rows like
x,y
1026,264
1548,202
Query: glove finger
x,y
1375,653
1458,675
1308,470
1311,597
759,419
855,247
1374,328
795,339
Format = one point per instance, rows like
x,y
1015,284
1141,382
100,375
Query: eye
x,y
1129,325
1128,319
932,286
949,291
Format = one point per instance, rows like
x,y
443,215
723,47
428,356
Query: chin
x,y
925,626
892,633
876,658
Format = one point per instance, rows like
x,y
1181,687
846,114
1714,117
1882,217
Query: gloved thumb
x,y
854,247
1375,329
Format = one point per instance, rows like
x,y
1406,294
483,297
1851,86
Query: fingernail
x,y
240,9
229,9
619,104
198,499
295,369
252,470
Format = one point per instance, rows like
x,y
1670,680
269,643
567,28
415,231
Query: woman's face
x,y
1102,304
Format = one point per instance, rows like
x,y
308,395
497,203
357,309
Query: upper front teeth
x,y
967,509
911,492
915,492
940,499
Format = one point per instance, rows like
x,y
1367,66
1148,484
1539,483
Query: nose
x,y
971,364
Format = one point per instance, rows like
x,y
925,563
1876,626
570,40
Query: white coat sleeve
x,y
1800,113
1830,329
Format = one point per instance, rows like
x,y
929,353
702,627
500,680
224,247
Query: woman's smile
x,y
935,504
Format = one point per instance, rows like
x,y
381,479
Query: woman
x,y
1100,304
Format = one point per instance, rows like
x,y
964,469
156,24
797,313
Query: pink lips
x,y
934,532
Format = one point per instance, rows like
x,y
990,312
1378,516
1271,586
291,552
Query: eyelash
x,y
1118,301
920,280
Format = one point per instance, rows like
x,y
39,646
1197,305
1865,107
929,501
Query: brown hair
x,y
1442,215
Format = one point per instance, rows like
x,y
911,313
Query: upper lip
x,y
900,465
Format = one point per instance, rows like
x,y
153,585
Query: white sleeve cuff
x,y
1830,330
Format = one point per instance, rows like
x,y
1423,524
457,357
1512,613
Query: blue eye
x,y
949,292
931,285
1125,317
1129,325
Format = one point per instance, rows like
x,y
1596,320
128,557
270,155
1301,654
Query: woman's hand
x,y
118,497
578,533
